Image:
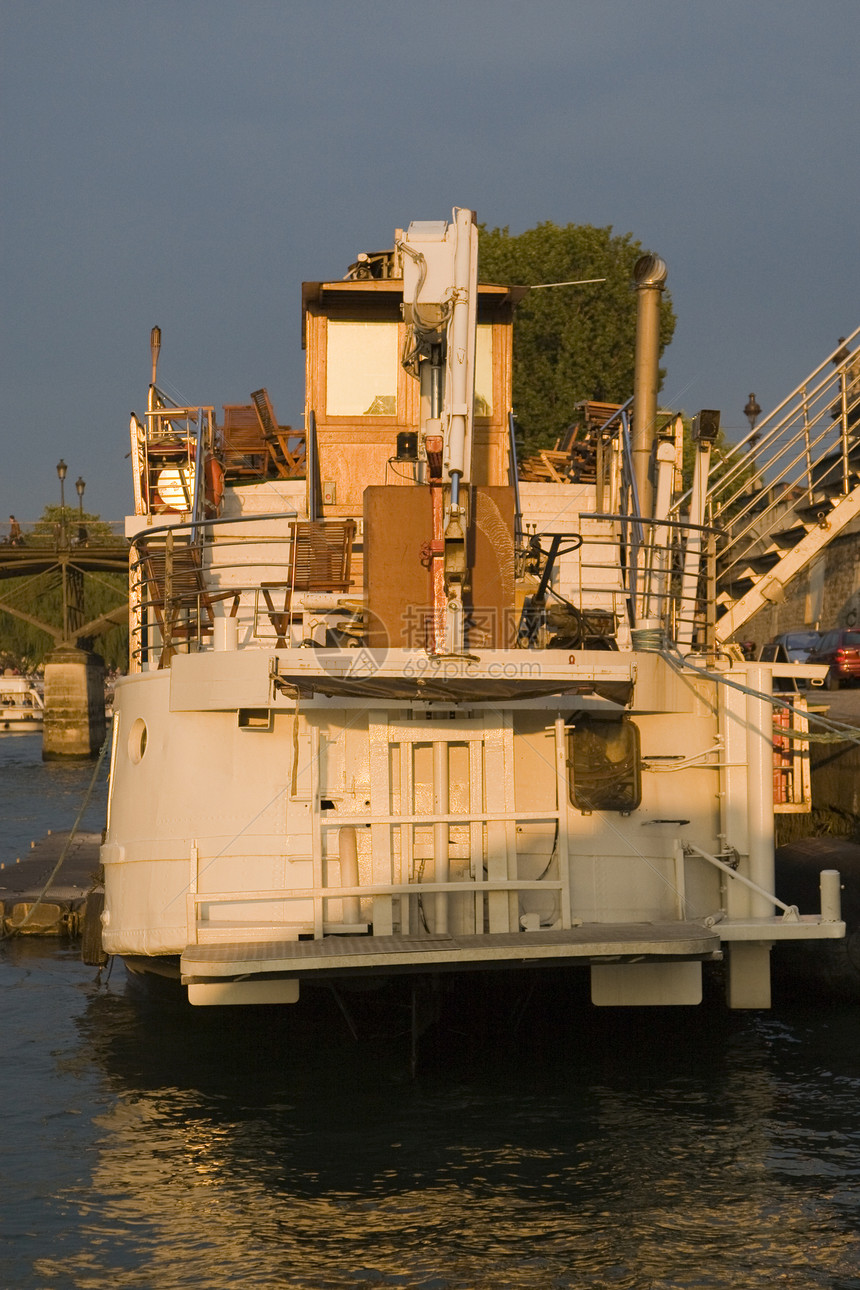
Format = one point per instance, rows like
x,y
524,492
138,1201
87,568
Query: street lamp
x,y
61,471
752,412
80,485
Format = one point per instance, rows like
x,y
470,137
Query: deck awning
x,y
492,676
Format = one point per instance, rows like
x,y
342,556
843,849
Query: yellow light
x,y
175,487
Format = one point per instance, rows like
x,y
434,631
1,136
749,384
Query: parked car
x,y
790,647
840,650
797,646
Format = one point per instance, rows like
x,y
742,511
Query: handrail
x,y
666,523
179,586
755,433
808,448
814,390
213,523
514,478
458,886
757,439
790,912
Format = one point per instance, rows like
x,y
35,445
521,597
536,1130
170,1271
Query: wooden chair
x,y
320,560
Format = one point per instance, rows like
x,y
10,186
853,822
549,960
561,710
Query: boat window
x,y
605,766
361,369
484,371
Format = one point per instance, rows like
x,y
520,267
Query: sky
x,y
188,163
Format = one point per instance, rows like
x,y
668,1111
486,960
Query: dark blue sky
x,y
190,162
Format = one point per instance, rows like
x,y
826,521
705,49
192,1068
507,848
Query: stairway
x,y
788,489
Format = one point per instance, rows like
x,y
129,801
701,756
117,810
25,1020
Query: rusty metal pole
x,y
649,280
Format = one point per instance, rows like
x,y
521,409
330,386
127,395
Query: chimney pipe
x,y
649,280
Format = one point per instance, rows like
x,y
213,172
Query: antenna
x,y
154,347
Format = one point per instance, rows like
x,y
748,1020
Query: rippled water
x,y
152,1145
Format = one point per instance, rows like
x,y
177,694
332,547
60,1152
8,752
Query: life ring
x,y
213,479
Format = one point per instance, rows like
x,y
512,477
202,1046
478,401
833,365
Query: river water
x,y
545,1144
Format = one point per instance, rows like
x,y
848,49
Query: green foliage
x,y
570,343
25,646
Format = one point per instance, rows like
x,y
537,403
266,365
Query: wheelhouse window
x,y
361,369
605,765
484,371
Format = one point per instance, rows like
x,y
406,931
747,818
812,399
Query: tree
x,y
570,343
64,524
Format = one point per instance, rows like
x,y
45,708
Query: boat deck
x,y
374,955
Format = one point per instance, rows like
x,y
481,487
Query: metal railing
x,y
647,558
185,576
180,572
801,456
656,572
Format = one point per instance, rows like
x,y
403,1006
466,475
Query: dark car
x,y
797,646
790,647
840,650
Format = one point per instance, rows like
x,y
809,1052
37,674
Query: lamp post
x,y
752,412
62,468
80,485
62,541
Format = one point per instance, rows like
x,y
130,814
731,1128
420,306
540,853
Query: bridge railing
x,y
66,531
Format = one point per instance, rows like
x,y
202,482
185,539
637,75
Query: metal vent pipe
x,y
649,280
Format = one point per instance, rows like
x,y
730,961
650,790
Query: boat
x,y
399,705
22,704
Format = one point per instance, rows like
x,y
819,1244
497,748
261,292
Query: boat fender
x,y
213,475
92,951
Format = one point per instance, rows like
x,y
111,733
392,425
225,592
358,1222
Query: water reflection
x,y
601,1150
150,1147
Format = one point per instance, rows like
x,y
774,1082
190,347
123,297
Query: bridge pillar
x,y
74,723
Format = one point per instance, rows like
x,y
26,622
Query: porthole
x,y
137,741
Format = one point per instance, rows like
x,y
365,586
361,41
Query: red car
x,y
840,649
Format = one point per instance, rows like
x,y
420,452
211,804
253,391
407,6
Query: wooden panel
x,y
491,542
398,522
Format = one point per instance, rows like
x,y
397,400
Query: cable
x,y
837,730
